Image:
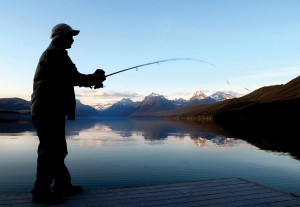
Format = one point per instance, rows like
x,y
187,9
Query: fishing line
x,y
157,62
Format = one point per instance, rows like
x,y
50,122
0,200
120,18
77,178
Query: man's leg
x,y
62,183
50,134
62,178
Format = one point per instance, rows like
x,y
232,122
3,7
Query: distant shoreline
x,y
10,115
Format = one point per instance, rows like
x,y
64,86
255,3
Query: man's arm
x,y
94,80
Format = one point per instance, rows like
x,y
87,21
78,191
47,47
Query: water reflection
x,y
154,130
275,138
280,139
16,127
124,152
283,137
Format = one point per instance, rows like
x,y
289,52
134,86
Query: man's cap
x,y
63,28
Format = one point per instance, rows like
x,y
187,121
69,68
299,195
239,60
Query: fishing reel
x,y
99,78
97,86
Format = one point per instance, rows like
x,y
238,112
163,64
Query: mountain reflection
x,y
150,129
270,138
217,141
16,127
122,131
281,137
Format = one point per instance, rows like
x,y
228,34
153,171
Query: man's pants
x,y
52,151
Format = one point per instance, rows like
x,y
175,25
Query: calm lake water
x,y
131,152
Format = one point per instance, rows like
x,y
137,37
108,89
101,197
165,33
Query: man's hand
x,y
99,72
99,75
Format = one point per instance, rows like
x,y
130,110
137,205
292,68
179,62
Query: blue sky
x,y
252,43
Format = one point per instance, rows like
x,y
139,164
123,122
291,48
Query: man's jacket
x,y
54,81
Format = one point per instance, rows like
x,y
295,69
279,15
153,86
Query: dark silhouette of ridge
x,y
276,103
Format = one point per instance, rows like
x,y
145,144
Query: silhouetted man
x,y
52,100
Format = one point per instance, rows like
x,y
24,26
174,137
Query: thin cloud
x,y
95,98
188,95
291,71
257,80
114,94
108,94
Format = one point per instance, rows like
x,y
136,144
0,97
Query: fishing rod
x,y
157,62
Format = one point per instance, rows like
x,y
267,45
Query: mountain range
x,y
156,105
153,104
269,104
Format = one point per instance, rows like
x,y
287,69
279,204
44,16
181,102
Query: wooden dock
x,y
231,192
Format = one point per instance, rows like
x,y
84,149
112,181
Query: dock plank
x,y
233,192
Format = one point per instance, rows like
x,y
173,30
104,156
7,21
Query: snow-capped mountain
x,y
124,107
101,107
153,97
198,95
155,102
125,102
223,95
180,102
